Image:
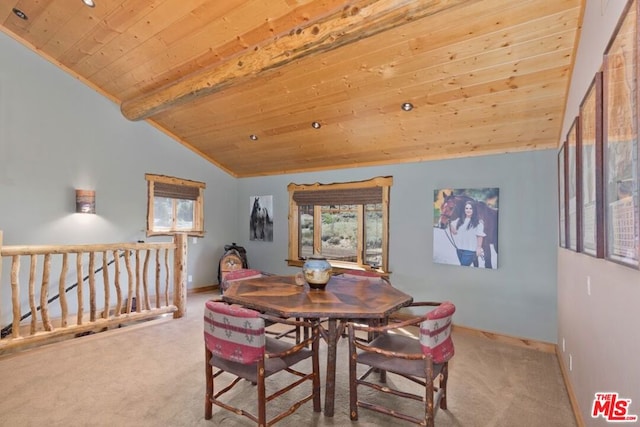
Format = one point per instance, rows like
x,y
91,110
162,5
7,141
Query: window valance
x,y
176,191
351,193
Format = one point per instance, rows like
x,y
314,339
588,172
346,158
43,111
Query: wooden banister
x,y
111,304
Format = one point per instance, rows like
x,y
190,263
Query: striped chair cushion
x,y
435,333
241,274
233,332
362,275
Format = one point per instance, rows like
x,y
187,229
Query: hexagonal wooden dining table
x,y
342,299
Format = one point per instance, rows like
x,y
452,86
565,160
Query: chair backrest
x,y
233,332
241,274
435,333
363,275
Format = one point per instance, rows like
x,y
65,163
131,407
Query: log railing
x,y
98,286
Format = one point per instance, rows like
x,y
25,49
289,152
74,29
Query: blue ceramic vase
x,y
317,271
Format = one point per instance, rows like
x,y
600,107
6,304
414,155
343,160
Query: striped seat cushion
x,y
234,333
435,333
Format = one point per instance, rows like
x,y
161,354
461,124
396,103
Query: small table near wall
x,y
342,299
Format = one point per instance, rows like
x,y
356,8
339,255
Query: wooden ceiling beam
x,y
356,20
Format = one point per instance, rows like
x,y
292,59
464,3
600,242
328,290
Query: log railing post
x,y
180,275
15,295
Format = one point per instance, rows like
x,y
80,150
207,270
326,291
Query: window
x,y
174,206
347,223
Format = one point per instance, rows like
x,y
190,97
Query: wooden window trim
x,y
192,190
384,183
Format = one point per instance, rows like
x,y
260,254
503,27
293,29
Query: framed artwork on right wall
x,y
562,191
620,130
591,227
573,189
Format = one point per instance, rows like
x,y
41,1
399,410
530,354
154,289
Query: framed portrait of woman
x,y
591,215
465,228
620,130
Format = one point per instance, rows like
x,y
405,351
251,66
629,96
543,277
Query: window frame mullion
x,y
317,229
360,236
174,214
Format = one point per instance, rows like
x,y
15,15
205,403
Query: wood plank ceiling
x,y
484,77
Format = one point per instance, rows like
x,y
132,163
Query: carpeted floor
x,y
153,375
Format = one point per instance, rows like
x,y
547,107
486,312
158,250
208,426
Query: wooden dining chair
x,y
422,359
236,343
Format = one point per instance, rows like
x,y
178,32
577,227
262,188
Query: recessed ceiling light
x,y
316,125
20,14
407,106
253,137
89,3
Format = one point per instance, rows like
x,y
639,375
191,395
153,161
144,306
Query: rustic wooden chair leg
x,y
315,360
262,391
208,406
443,385
428,414
298,331
353,387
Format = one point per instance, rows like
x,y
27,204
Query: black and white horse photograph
x,y
466,227
261,218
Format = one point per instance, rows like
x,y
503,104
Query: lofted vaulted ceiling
x,y
483,76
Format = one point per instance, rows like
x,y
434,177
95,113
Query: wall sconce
x,y
85,201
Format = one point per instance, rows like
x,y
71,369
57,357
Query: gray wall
x,y
58,134
601,331
519,298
